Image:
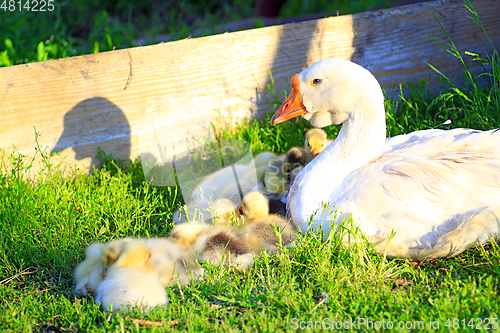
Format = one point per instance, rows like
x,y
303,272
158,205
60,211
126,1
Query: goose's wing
x,y
392,145
422,187
396,142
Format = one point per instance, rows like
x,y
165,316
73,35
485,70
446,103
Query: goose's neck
x,y
360,140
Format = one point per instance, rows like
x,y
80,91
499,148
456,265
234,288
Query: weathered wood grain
x,y
120,100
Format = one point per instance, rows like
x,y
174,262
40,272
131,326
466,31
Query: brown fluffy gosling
x,y
260,225
224,245
213,243
297,156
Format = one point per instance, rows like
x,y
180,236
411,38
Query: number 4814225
x,y
478,323
28,5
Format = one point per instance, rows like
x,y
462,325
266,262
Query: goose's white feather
x,y
438,190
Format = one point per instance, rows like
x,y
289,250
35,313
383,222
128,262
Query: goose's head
x,y
328,92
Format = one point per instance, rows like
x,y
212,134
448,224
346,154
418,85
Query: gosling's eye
x,y
315,82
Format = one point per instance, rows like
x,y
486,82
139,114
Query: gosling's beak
x,y
314,153
292,107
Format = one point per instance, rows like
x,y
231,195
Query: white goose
x,y
439,191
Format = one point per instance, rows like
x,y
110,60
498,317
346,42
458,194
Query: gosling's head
x,y
134,254
296,157
316,141
255,205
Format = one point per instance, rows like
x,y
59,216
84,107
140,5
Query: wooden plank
x,y
122,100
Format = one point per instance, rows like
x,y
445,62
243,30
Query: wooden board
x,y
126,100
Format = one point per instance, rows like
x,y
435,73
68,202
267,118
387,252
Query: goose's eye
x,y
315,82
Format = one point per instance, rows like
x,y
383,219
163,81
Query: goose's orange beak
x,y
292,107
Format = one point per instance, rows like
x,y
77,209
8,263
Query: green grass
x,y
47,223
